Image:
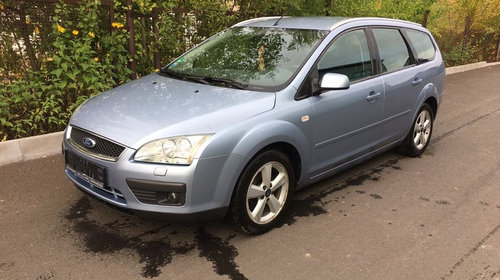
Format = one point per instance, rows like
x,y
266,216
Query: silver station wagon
x,y
257,111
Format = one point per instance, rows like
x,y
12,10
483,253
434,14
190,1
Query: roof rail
x,y
348,20
257,20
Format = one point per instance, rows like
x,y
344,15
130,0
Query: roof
x,y
316,23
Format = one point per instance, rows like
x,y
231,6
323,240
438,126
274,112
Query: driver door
x,y
347,122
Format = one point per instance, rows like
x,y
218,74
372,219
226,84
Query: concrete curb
x,y
50,144
30,148
467,67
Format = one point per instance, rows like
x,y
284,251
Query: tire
x,y
259,204
419,136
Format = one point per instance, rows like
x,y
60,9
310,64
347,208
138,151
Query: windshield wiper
x,y
197,79
167,72
204,80
230,82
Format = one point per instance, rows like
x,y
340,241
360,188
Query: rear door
x,y
402,80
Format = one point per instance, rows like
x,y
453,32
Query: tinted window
x,y
392,49
348,55
422,44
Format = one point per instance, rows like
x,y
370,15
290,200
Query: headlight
x,y
173,150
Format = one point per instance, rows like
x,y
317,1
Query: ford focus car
x,y
257,111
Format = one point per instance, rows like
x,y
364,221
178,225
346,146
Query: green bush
x,y
84,61
459,56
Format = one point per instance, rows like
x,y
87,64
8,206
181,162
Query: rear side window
x,y
422,44
392,48
349,55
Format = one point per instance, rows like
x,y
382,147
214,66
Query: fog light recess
x,y
159,193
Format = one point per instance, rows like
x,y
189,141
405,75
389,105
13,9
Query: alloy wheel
x,y
267,192
422,129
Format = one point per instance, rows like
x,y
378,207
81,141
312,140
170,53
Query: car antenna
x,y
276,23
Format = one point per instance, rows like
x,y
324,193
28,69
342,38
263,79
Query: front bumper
x,y
206,185
203,216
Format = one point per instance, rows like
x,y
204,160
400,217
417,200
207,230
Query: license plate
x,y
86,170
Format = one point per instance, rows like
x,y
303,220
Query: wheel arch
x,y
280,135
275,135
289,150
433,103
429,94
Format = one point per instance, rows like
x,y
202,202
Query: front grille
x,y
103,148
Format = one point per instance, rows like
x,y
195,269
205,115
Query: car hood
x,y
155,107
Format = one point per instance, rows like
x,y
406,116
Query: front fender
x,y
254,140
269,133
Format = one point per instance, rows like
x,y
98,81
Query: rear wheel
x,y
419,136
263,192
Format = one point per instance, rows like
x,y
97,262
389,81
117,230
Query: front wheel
x,y
263,192
419,136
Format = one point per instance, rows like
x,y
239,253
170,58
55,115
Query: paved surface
x,y
435,217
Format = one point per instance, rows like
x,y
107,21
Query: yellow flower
x,y
28,21
156,70
37,31
60,29
91,34
5,136
75,32
96,59
50,59
117,25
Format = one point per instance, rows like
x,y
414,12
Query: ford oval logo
x,y
88,142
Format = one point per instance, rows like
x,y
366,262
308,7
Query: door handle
x,y
373,96
416,81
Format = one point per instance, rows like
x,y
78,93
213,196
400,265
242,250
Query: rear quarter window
x,y
422,44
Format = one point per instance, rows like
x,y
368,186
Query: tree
x,y
477,23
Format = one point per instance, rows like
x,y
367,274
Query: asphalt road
x,y
434,217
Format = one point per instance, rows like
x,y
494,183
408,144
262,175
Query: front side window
x,y
251,57
392,49
422,44
349,55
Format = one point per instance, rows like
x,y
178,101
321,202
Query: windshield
x,y
248,57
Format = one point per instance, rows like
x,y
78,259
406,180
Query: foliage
x,y
83,60
459,55
467,31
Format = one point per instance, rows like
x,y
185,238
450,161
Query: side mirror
x,y
334,81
